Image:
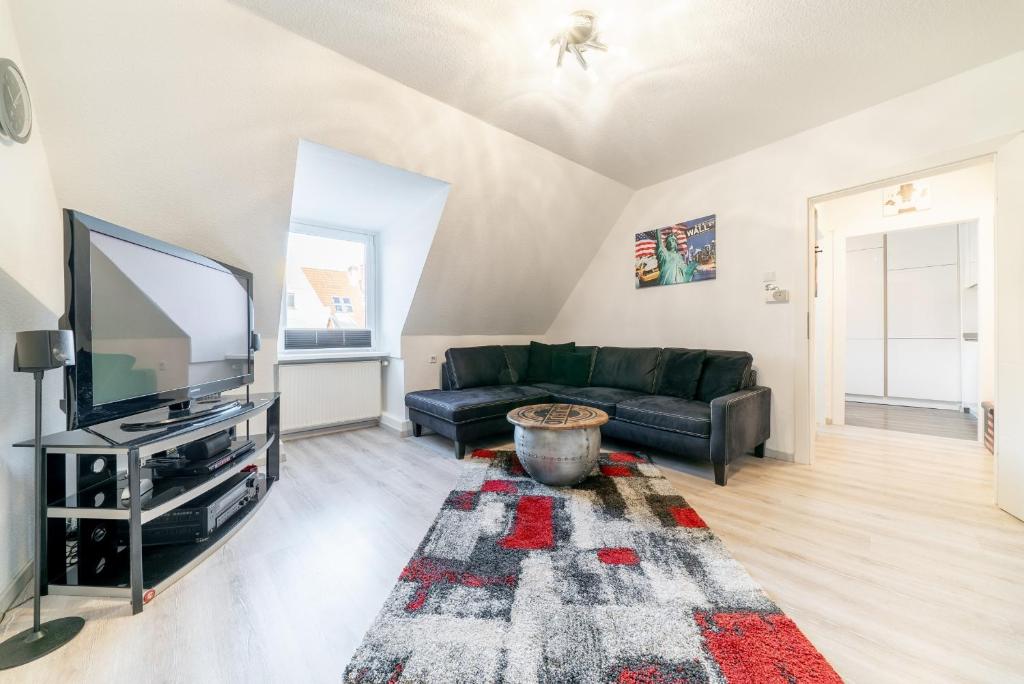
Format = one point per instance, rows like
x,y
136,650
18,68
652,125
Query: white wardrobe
x,y
905,294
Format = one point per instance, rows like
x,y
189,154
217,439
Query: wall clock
x,y
15,106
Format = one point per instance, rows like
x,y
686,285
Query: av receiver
x,y
196,520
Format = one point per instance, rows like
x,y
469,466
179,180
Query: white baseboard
x,y
395,424
15,587
302,433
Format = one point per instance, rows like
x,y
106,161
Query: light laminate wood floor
x,y
922,421
887,552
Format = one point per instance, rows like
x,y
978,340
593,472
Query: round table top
x,y
557,417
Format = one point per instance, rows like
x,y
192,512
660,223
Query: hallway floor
x,y
922,421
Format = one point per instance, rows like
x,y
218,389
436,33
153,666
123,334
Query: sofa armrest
x,y
740,421
446,380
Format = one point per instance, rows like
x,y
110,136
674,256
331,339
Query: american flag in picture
x,y
645,244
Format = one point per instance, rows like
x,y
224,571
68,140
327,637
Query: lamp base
x,y
26,646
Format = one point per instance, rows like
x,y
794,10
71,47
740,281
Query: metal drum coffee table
x,y
558,444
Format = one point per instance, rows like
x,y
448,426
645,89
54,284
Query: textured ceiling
x,y
687,82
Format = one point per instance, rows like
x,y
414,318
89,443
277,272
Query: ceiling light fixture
x,y
579,35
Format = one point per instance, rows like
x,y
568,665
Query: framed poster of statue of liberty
x,y
680,253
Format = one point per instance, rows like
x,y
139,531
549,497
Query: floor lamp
x,y
36,352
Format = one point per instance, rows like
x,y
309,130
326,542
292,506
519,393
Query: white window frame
x,y
372,283
342,304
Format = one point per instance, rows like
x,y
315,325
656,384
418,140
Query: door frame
x,y
806,373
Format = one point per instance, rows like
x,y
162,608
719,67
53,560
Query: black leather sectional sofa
x,y
696,403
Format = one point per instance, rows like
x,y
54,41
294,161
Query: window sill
x,y
328,356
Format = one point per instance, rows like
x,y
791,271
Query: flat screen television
x,y
155,325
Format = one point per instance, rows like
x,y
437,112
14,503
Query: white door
x,y
1009,405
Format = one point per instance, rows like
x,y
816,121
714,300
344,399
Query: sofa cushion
x,y
539,367
518,358
723,373
570,368
679,372
461,406
626,368
475,366
684,416
604,398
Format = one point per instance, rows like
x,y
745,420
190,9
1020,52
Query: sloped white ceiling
x,y
343,190
182,120
693,82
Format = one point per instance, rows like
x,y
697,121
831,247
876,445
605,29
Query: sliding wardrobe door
x,y
923,302
865,316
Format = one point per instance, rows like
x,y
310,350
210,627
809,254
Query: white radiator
x,y
316,395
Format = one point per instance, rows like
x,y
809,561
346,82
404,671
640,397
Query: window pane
x,y
326,285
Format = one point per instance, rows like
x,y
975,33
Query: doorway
x,y
904,310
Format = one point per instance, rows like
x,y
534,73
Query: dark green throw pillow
x,y
680,372
570,368
539,367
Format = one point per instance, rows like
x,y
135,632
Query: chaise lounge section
x,y
696,403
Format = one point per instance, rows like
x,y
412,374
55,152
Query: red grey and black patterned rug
x,y
615,580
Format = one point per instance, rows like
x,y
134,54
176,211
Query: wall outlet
x,y
432,358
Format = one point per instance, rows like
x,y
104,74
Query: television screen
x,y
154,324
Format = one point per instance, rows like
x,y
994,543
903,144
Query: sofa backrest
x,y
476,366
632,368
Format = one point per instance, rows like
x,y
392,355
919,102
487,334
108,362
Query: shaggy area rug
x,y
615,580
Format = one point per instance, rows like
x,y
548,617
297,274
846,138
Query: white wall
x,y
31,297
961,195
760,198
823,320
1009,403
404,245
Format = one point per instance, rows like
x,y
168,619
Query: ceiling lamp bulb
x,y
579,36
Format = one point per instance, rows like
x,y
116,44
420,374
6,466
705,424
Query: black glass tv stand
x,y
102,488
179,416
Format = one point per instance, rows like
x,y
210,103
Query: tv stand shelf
x,y
195,485
141,573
